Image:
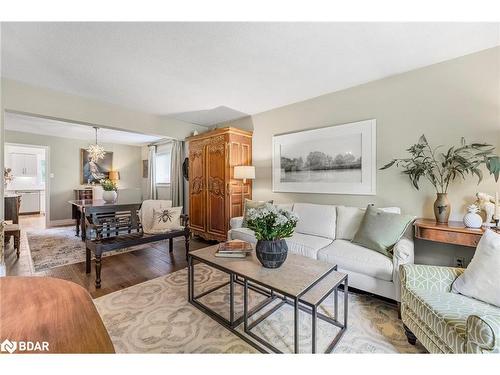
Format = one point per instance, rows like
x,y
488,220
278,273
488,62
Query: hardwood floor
x,y
118,271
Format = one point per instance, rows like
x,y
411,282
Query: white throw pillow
x,y
166,219
481,279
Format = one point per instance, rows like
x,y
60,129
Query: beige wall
x,y
446,101
64,157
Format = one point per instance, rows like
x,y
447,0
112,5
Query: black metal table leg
x,y
78,218
83,228
231,300
296,326
190,279
346,300
314,315
245,306
336,304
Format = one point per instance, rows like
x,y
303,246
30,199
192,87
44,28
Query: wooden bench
x,y
119,227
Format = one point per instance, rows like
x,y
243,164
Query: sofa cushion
x,y
316,219
380,230
351,257
348,222
349,219
481,279
446,313
306,245
244,234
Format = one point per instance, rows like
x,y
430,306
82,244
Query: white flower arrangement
x,y
271,223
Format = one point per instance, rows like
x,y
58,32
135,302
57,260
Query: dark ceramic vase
x,y
272,254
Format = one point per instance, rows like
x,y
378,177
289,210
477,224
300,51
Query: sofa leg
x,y
410,336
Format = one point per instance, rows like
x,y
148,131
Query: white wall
x,y
446,101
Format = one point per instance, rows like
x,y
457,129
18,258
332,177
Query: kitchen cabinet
x,y
30,202
24,165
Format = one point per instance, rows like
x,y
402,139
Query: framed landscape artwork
x,y
93,172
338,159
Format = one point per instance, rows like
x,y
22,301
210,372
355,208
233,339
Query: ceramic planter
x,y
272,254
442,208
109,196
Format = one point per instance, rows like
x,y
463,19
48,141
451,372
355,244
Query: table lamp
x,y
114,176
244,172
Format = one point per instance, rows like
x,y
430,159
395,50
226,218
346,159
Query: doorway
x,y
26,169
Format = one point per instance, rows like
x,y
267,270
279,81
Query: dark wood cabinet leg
x,y
87,260
98,271
170,245
410,336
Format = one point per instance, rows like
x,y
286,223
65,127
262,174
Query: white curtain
x,y
176,177
152,193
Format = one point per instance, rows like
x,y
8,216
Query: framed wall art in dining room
x,y
94,171
339,159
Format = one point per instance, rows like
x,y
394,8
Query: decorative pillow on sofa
x,y
481,279
252,204
380,230
349,220
166,219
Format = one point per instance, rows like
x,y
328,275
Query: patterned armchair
x,y
445,322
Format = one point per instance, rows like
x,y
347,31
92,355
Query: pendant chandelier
x,y
95,151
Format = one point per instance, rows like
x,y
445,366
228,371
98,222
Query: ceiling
x,y
192,70
56,128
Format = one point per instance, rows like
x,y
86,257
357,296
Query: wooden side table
x,y
454,232
56,311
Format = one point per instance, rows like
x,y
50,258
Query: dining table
x,y
80,206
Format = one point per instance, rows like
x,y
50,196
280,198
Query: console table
x,y
454,232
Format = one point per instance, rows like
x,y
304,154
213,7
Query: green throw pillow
x,y
381,230
252,204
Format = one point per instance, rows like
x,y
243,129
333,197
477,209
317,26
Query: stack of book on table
x,y
234,249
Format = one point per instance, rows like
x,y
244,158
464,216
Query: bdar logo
x,y
8,346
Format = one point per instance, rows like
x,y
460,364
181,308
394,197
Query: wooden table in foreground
x,y
55,311
454,232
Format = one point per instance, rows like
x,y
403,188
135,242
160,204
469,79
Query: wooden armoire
x,y
214,195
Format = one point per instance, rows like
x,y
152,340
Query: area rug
x,y
155,317
54,247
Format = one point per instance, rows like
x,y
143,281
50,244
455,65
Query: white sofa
x,y
317,236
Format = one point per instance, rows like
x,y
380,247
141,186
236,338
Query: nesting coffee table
x,y
301,282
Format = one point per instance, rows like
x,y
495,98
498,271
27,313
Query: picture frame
x,y
101,168
339,159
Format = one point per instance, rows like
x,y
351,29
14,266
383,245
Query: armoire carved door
x,y
214,196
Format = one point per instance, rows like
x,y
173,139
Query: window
x,y
163,167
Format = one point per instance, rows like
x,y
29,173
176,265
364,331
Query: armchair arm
x,y
403,253
236,222
422,276
483,334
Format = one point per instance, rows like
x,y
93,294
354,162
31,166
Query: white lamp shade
x,y
243,172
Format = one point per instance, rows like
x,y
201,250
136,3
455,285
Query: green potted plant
x,y
442,168
271,226
109,194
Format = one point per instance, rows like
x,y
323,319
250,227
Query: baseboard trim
x,y
61,223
